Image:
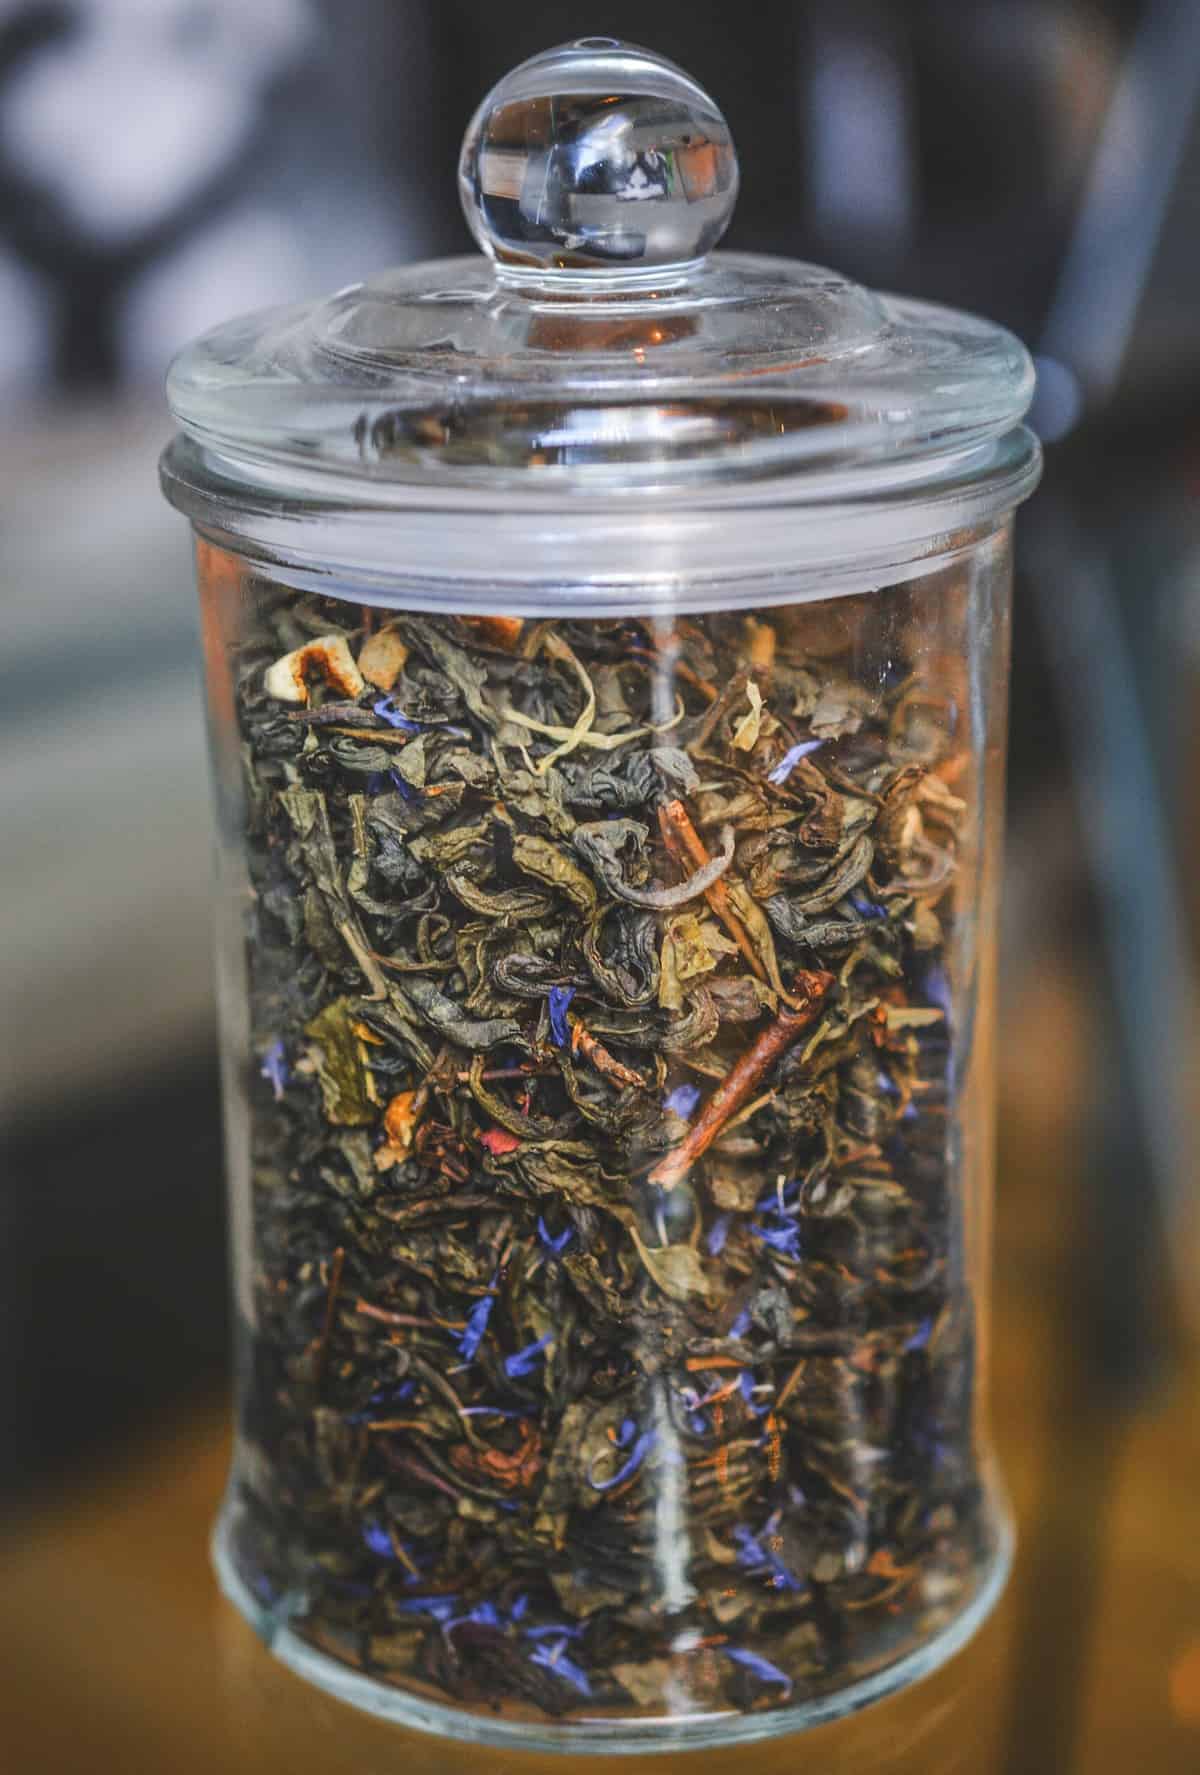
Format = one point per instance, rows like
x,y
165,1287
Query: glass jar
x,y
607,651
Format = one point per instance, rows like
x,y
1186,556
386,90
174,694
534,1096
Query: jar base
x,y
606,1736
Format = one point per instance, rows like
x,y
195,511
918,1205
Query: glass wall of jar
x,y
608,1011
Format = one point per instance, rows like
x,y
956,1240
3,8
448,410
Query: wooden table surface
x,y
117,1654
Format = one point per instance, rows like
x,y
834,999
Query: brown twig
x,y
385,1318
398,1549
743,1080
681,669
725,701
373,736
526,1070
585,1043
433,1081
790,1384
687,847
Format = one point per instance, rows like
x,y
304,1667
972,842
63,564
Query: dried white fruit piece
x,y
328,657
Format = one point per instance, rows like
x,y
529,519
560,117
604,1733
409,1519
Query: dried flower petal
x,y
523,1362
745,736
387,711
791,759
275,1068
557,1246
629,1466
476,1327
717,1235
499,1140
682,1101
399,1119
560,998
761,1667
554,1659
782,1236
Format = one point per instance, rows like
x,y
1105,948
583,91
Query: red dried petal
x,y
499,1140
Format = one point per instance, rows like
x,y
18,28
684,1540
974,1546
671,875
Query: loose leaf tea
x,y
609,1348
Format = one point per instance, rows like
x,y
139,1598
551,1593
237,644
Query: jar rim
x,y
764,539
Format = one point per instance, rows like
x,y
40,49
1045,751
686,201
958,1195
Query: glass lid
x,y
599,345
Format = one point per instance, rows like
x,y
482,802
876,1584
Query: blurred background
x,y
165,163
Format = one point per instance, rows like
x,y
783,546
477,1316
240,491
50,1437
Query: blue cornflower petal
x,y
560,998
523,1362
477,1323
378,1540
555,1247
556,1630
682,1101
482,1615
791,759
784,1238
382,1400
865,907
718,1232
774,1199
741,1324
937,988
757,1558
441,1608
641,1449
920,1336
749,1551
783,1579
519,1608
762,1667
275,1068
387,711
404,789
554,1658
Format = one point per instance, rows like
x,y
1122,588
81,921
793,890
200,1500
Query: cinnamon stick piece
x,y
686,846
743,1080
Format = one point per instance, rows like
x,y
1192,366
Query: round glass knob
x,y
597,157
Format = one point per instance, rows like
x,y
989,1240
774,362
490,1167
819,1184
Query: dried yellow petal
x,y
746,735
